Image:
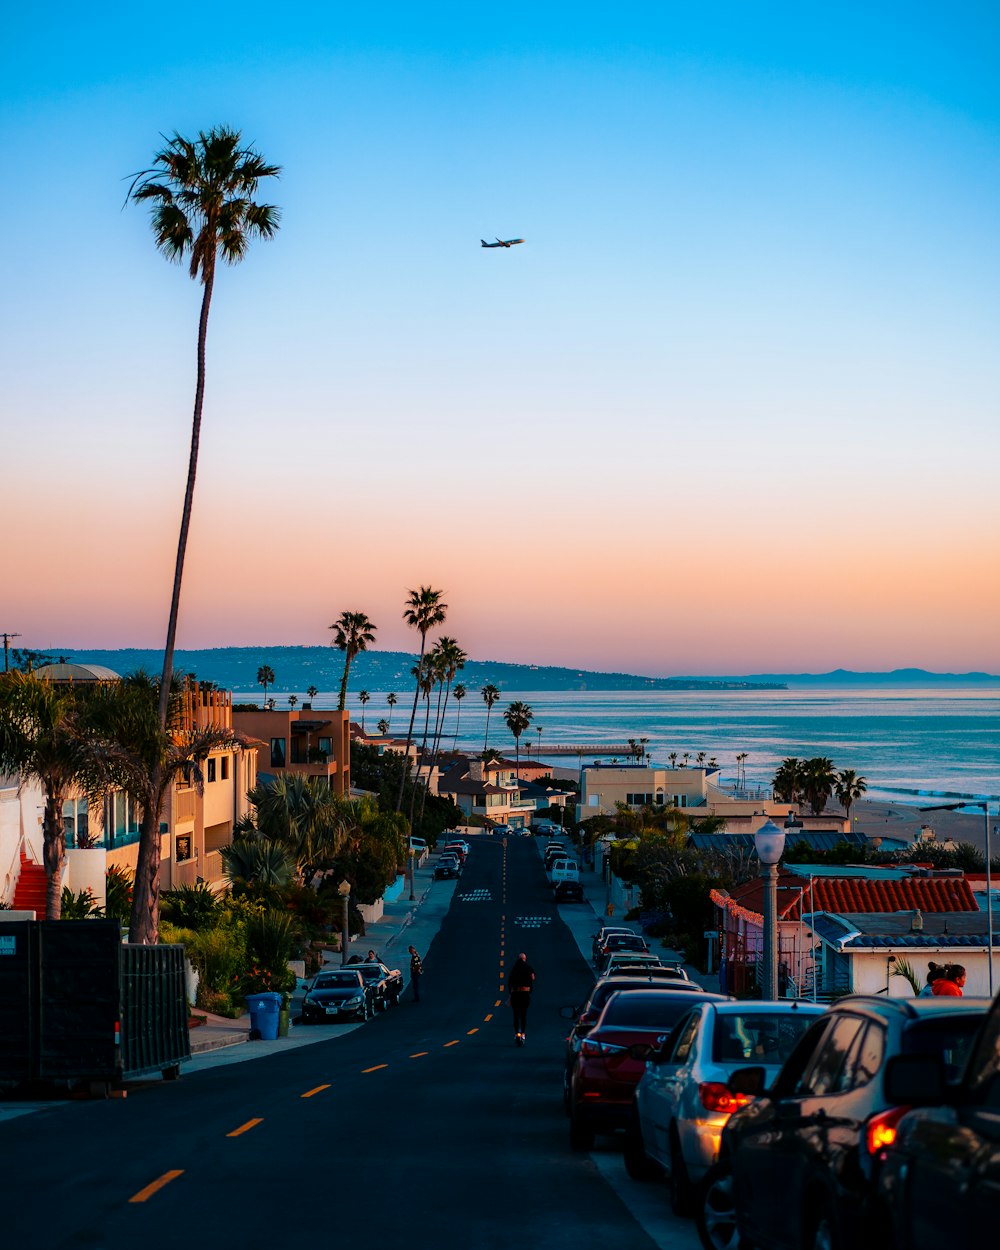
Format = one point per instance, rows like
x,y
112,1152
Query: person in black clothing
x,y
519,983
416,971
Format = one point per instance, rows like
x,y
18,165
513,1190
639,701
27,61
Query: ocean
x,y
909,744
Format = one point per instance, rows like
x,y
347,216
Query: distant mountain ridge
x,y
894,677
298,668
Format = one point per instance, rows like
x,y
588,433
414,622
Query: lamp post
x,y
344,890
984,807
770,843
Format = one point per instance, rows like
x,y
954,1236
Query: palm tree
x,y
849,787
423,610
363,698
45,737
312,692
491,695
787,781
383,726
458,694
292,700
353,631
672,757
265,678
538,730
819,778
392,699
426,674
518,717
450,659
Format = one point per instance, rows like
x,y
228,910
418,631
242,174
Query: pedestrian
x,y
519,983
951,983
416,972
934,973
371,958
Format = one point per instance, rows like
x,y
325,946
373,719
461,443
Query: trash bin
x,y
284,1018
264,1010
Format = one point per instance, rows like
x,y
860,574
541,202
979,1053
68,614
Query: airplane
x,y
501,242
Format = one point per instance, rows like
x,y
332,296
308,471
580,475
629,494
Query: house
x,y
492,790
313,743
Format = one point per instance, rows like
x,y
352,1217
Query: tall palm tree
x,y
450,659
427,674
538,730
458,694
672,757
201,197
353,631
491,695
392,699
424,609
45,737
312,692
787,780
383,726
819,778
849,787
265,678
363,698
518,717
292,700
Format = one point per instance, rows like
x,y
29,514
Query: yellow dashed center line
x,y
318,1090
454,1043
497,1003
365,1071
245,1128
471,1031
489,1017
156,1185
420,1054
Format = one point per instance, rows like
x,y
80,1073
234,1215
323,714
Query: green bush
x,y
118,885
82,906
191,906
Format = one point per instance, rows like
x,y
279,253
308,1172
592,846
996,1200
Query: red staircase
x,y
30,891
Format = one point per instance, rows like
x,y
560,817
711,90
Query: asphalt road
x,y
425,1127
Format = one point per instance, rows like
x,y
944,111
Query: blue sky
x,y
749,346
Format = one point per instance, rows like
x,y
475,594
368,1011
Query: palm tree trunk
x,y
409,732
438,733
343,681
486,736
53,853
144,922
420,761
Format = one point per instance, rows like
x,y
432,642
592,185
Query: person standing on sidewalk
x,y
416,972
519,983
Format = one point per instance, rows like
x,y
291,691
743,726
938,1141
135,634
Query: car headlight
x,y
355,1002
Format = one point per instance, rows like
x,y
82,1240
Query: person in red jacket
x,y
952,983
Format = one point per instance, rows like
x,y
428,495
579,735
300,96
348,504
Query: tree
x,y
392,699
423,610
849,787
45,737
353,631
312,692
265,678
458,694
818,779
672,757
363,698
449,660
491,695
538,730
201,197
518,717
302,815
787,781
292,700
383,726
26,660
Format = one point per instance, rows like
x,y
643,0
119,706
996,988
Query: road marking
x,y
489,1017
365,1071
471,1031
157,1185
420,1054
454,1043
501,963
497,1003
245,1128
318,1090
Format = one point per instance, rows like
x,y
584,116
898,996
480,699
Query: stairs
x,y
30,891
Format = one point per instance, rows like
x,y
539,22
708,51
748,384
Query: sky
x,y
732,407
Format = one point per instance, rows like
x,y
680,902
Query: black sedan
x,y
386,982
447,869
342,994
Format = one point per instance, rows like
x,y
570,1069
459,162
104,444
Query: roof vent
x,y
917,922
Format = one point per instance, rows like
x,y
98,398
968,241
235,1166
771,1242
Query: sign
x,y
8,945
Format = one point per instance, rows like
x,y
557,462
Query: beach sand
x,y
900,820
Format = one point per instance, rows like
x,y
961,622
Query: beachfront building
x,y
308,741
694,790
825,915
491,790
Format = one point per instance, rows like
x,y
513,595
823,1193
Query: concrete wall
x,y
871,971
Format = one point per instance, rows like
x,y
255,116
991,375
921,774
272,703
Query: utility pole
x,y
6,650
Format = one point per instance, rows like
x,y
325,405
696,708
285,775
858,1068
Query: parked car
x,y
682,1100
552,855
646,966
612,1057
340,994
564,869
387,983
567,892
418,846
939,1183
798,1165
621,942
604,932
627,953
447,869
461,849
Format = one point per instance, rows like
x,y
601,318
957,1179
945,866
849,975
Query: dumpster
x,y
77,1005
264,1010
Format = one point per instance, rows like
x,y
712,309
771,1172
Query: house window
x,y
210,770
326,747
277,752
639,800
224,767
182,847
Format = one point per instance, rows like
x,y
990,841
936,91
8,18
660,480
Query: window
x,y
182,847
870,1055
277,752
639,800
832,1066
326,747
687,1031
210,770
224,767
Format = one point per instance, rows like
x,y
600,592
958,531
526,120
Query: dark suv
x,y
797,1165
940,1182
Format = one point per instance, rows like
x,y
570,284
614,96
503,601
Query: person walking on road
x,y
416,972
519,983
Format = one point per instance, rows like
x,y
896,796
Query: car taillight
x,y
880,1131
593,1049
718,1097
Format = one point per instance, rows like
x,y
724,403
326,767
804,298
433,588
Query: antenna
x,y
6,649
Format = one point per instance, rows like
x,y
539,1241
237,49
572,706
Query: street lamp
x,y
984,807
344,890
770,843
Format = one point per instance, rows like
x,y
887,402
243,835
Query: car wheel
x,y
715,1218
680,1185
638,1164
823,1230
581,1135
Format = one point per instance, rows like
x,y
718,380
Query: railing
x,y
184,805
212,866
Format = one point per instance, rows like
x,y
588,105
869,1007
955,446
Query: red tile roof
x,y
853,894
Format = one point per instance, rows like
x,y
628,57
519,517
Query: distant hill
x,y
896,677
298,668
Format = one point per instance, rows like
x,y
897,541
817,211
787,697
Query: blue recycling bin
x,y
264,1009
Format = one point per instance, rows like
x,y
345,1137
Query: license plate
x,y
331,1011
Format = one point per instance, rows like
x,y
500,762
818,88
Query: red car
x,y
612,1057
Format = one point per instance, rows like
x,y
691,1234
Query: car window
x,y
685,1034
831,1064
757,1036
870,1054
953,1038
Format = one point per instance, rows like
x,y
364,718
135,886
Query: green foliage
x,y
82,906
906,970
273,938
220,955
118,884
191,906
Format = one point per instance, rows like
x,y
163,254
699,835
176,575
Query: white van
x,y
564,870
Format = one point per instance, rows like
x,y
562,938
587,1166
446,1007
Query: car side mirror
x,y
751,1081
915,1080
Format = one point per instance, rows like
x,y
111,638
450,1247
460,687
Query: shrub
x,y
118,886
191,906
82,906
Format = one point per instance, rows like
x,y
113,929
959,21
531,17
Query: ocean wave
x,y
940,794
